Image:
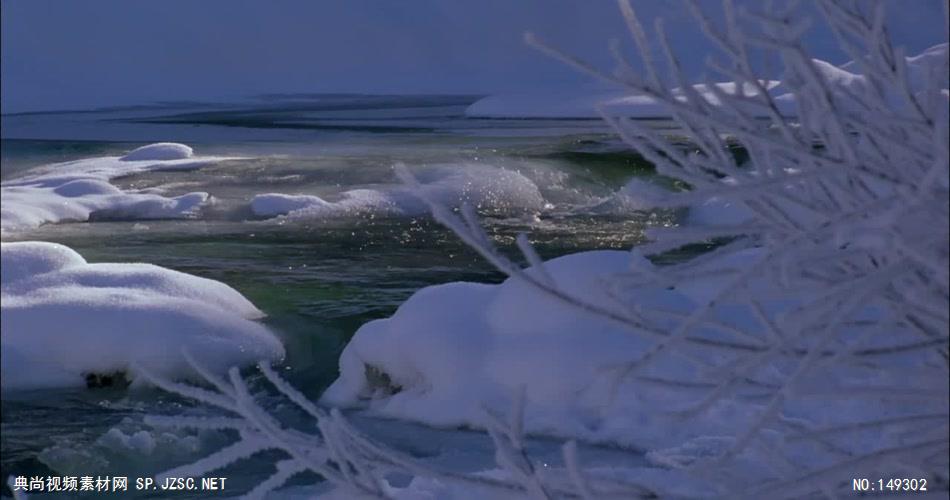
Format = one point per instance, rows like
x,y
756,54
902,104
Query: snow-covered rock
x,y
482,186
453,350
63,319
76,190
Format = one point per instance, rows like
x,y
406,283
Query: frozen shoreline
x,y
77,190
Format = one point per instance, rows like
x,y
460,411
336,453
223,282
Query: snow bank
x,y
583,103
929,66
485,187
452,350
63,318
845,81
76,190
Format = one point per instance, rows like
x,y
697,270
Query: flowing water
x,y
317,279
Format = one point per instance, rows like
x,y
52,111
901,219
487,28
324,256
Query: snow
x,y
484,186
929,66
453,350
450,349
583,103
551,104
63,318
78,190
160,151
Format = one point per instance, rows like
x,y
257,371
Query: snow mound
x,y
847,83
160,151
77,190
484,187
63,319
452,350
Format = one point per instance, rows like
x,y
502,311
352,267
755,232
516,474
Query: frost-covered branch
x,y
844,267
800,339
348,459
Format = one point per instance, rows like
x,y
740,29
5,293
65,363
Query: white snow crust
x,y
76,190
63,318
452,350
160,151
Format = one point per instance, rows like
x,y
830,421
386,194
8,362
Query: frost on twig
x,y
843,278
823,314
345,457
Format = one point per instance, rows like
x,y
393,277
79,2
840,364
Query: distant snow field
x,y
584,103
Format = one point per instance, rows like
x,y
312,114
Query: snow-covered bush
x,y
809,348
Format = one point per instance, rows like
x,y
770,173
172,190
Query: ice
x,y
483,186
77,190
63,319
128,449
273,204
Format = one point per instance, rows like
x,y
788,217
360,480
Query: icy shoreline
x,y
76,190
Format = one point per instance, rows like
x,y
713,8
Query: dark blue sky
x,y
72,54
